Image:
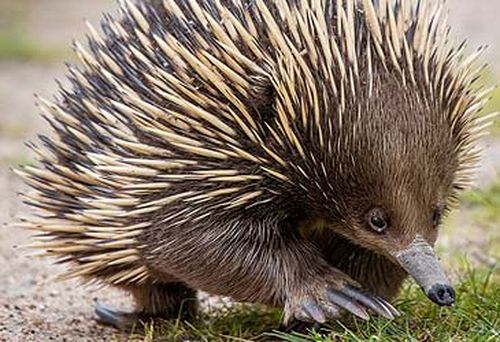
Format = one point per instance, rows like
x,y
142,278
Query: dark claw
x,y
371,302
347,303
117,319
389,306
314,311
106,315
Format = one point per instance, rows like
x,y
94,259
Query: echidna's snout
x,y
442,294
420,261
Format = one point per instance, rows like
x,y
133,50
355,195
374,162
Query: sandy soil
x,y
32,306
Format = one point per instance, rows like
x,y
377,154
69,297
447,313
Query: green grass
x,y
474,317
237,323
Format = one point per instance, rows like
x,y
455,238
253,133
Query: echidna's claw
x,y
105,314
374,303
389,306
115,318
314,311
331,301
347,303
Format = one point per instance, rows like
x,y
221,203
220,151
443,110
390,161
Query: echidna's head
x,y
393,179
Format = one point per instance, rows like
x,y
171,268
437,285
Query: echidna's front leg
x,y
165,301
263,261
328,297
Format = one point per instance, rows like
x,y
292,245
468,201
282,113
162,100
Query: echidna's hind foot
x,y
159,301
119,319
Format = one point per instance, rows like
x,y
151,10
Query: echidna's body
x,y
238,147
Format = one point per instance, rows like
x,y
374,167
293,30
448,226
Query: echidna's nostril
x,y
442,294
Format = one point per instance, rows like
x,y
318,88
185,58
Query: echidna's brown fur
x,y
234,146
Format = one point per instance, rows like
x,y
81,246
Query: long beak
x,y
422,264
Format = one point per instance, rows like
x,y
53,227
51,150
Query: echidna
x,y
295,153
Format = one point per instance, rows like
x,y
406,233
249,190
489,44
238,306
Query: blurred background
x,y
35,40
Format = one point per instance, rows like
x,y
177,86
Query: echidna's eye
x,y
377,220
436,217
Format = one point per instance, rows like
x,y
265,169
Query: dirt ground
x,y
32,306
